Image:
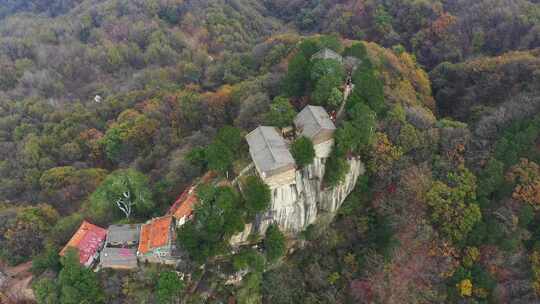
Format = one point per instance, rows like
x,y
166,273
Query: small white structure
x,y
327,53
314,123
271,156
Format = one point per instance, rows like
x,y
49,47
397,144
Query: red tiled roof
x,y
183,206
87,240
155,234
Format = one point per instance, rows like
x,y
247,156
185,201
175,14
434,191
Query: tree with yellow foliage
x,y
453,208
465,288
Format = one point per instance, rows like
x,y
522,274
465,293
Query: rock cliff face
x,y
295,206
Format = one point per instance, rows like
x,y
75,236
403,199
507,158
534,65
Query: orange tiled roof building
x,y
88,240
157,243
182,209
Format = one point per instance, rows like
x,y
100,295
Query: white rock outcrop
x,y
295,206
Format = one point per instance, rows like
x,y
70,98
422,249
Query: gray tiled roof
x,y
121,234
268,149
327,53
118,257
312,119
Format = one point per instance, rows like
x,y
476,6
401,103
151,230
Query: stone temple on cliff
x,y
271,156
314,123
298,195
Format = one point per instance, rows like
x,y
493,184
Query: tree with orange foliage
x,y
440,26
526,177
90,140
218,104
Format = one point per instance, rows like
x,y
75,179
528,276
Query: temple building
x,y
182,209
88,240
327,53
120,250
314,123
271,155
157,243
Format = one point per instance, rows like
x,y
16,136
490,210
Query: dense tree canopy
x,y
325,89
217,217
46,291
249,259
23,235
281,113
294,83
357,133
169,287
220,154
368,88
169,88
77,284
219,157
66,186
326,67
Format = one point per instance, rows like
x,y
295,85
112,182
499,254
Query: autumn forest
x,y
113,110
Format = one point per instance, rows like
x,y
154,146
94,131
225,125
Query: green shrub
x,y
303,151
169,287
450,123
248,259
336,169
257,195
48,259
281,113
78,284
274,243
46,291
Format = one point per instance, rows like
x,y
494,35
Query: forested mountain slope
x,y
435,31
127,53
452,218
101,47
466,89
444,114
90,45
